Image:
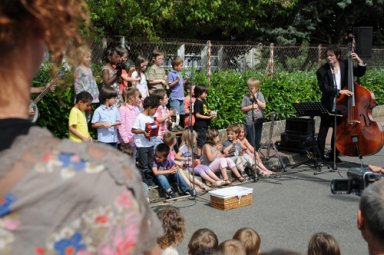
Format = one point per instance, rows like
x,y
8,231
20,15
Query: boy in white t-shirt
x,y
145,129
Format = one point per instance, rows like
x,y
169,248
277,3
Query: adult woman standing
x,y
57,197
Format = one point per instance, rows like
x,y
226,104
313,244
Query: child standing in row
x,y
77,123
166,170
212,157
139,73
188,105
176,85
156,76
163,115
128,114
106,117
84,80
145,139
188,140
202,116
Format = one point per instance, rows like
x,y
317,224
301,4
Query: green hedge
x,y
225,93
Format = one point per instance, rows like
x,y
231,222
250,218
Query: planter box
x,y
230,198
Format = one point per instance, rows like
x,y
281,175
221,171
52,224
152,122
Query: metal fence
x,y
239,56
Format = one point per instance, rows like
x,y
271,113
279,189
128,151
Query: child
x,y
125,77
156,73
212,157
203,239
232,247
128,113
202,116
107,118
176,85
232,149
145,139
84,80
140,66
252,105
166,170
112,74
77,123
250,240
323,244
248,153
174,229
187,105
163,115
170,140
188,140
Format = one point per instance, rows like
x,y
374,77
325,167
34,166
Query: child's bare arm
x,y
107,80
156,171
74,131
209,154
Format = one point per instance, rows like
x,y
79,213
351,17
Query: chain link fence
x,y
239,56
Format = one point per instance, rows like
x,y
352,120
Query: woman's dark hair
x,y
138,62
199,90
106,93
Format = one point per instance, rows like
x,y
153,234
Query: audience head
x,y
370,216
84,97
280,252
232,247
250,240
323,244
212,136
202,241
199,91
107,94
173,225
188,138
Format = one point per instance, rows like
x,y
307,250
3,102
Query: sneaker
x,y
171,194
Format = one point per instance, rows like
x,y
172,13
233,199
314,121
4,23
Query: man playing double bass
x,y
332,78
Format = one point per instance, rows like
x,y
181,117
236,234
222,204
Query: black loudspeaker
x,y
303,126
363,38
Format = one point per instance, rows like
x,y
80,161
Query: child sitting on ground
x,y
170,140
212,157
188,140
106,117
323,244
202,241
77,122
174,229
165,170
249,150
232,149
250,240
232,247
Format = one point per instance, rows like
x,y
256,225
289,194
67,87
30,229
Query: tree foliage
x,y
284,22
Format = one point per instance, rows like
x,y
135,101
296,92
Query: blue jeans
x,y
178,105
164,180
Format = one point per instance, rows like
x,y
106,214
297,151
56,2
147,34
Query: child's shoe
x,y
170,194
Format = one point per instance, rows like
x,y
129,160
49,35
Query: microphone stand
x,y
255,173
334,119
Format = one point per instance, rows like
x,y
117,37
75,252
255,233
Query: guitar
x,y
33,103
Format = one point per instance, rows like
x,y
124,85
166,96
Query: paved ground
x,y
286,211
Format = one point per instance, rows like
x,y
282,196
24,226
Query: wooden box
x,y
230,198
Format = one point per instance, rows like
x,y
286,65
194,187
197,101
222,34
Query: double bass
x,y
358,134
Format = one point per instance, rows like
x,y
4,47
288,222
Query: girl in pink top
x,y
128,113
163,115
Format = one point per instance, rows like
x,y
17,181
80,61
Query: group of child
x,y
136,120
245,241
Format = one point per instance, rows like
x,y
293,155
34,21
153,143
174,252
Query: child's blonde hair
x,y
203,238
188,139
210,136
250,240
169,138
232,128
323,244
130,92
232,247
80,54
253,82
173,225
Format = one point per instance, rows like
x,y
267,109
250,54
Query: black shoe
x,y
171,194
191,192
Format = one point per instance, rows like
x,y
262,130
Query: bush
x,y
225,93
